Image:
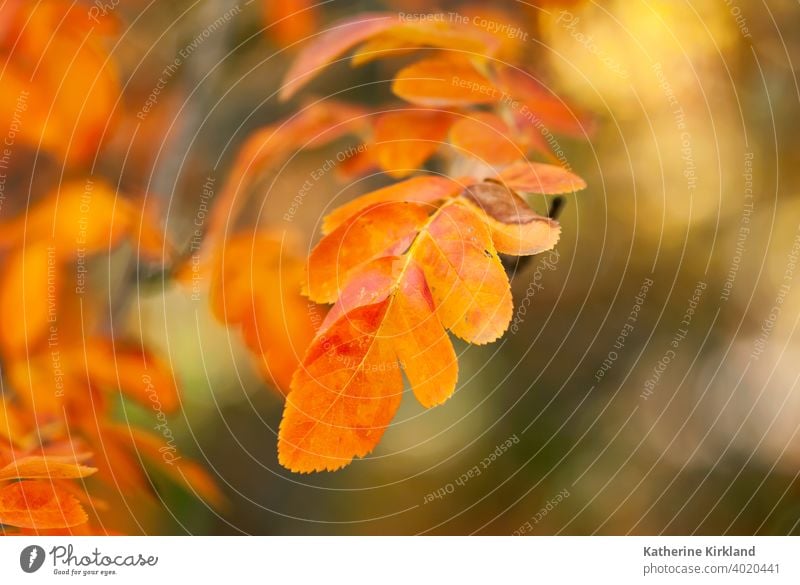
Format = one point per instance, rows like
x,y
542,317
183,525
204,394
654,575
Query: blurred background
x,y
650,383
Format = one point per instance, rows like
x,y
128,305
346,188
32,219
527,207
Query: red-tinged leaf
x,y
485,136
516,229
343,396
540,106
531,177
348,386
383,229
426,189
39,505
405,139
444,81
38,467
330,44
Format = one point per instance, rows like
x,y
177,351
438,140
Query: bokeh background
x,y
651,384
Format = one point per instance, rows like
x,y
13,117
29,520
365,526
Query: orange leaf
x,y
405,139
38,467
447,80
516,230
184,472
390,308
289,21
485,136
380,47
39,505
76,219
541,106
383,229
466,278
349,388
440,34
59,86
134,371
426,189
531,177
29,289
505,29
330,44
256,284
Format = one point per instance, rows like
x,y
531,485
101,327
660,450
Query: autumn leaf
x,y
516,229
444,81
330,44
405,139
289,21
531,177
181,471
43,467
29,288
39,505
255,284
541,105
424,189
61,95
427,33
485,136
136,372
379,47
429,269
84,218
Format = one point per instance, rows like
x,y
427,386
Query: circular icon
x,y
31,558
